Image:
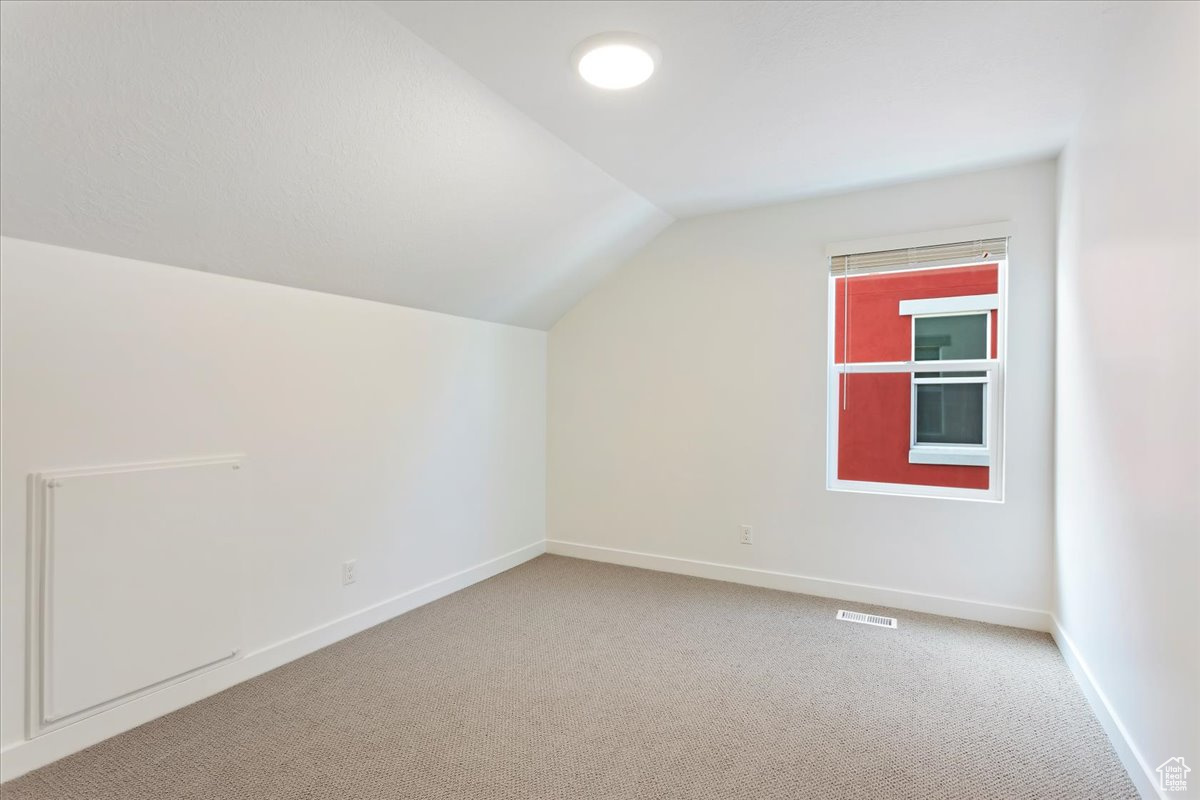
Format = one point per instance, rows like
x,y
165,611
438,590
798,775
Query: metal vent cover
x,y
866,619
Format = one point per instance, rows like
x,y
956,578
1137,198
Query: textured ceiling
x,y
319,145
758,102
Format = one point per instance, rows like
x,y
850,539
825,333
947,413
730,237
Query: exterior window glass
x,y
950,413
948,337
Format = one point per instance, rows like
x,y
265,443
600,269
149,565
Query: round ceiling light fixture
x,y
616,60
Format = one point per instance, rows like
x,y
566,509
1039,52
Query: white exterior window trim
x,y
945,306
994,398
968,455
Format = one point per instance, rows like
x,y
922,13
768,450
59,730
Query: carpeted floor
x,y
575,680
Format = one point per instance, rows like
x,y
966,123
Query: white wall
x,y
687,396
1128,441
409,440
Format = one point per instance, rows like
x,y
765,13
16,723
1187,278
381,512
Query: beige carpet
x,y
574,680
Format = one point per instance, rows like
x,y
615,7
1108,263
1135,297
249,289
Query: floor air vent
x,y
866,619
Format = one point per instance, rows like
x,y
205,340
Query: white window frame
x,y
971,455
993,391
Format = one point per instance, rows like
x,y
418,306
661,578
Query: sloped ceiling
x,y
319,145
324,145
761,102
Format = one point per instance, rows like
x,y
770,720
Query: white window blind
x,y
938,255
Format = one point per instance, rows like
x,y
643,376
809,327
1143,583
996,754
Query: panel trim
x,y
40,718
18,758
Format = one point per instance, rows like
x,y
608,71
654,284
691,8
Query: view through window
x,y
916,370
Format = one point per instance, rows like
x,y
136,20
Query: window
x,y
949,409
916,370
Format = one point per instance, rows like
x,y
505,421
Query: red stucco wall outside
x,y
873,426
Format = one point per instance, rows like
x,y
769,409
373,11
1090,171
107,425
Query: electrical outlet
x,y
747,534
349,572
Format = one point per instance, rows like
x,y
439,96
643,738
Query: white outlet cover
x,y
747,534
349,572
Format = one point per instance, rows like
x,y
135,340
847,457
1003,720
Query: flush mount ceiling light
x,y
616,60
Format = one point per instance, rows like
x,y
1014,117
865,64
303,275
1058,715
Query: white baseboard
x,y
1140,771
821,587
21,757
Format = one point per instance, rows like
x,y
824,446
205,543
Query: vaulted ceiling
x,y
444,156
319,145
761,102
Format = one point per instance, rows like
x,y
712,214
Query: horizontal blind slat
x,y
939,255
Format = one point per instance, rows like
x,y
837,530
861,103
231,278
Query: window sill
x,y
950,456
